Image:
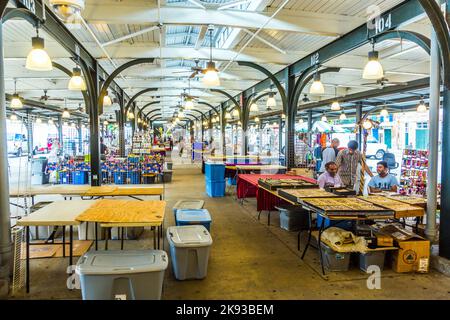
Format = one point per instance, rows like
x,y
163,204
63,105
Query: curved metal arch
x,y
149,104
137,95
272,77
209,105
226,94
417,38
193,110
440,26
113,75
152,119
69,73
152,111
13,13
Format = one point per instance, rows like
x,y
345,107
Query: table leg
x,y
96,236
268,218
32,200
70,245
322,225
121,238
159,237
154,238
259,215
64,241
107,237
309,236
87,225
27,251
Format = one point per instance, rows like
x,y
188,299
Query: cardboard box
x,y
384,240
412,256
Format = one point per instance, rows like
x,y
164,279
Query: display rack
x,y
413,178
142,144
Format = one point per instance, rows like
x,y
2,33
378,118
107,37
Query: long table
x,y
109,213
247,187
86,191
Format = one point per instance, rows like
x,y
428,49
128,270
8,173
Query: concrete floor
x,y
249,260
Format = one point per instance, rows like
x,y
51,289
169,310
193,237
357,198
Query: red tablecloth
x,y
247,187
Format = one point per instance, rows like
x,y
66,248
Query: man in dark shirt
x,y
103,147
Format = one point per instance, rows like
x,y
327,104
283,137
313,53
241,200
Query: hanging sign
x,y
29,4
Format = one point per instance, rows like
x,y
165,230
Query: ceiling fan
x,y
383,82
305,99
196,70
46,98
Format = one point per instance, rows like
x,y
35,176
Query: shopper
x,y
347,161
384,181
329,154
103,147
301,150
180,147
330,178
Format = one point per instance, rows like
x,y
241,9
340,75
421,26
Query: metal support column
x,y
290,124
29,124
121,121
60,134
432,175
6,259
358,120
280,137
310,125
80,137
94,137
223,123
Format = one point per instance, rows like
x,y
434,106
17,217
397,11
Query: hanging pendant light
x,y
373,69
77,82
300,121
384,112
324,118
66,113
335,106
181,114
239,123
317,85
13,117
105,122
189,104
51,122
367,124
257,119
38,59
73,124
227,115
271,102
107,100
211,74
236,113
283,116
254,107
342,116
130,115
422,107
16,101
38,120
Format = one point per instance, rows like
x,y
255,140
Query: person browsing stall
x,y
384,181
347,161
329,154
330,178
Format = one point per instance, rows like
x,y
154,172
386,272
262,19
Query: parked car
x,y
17,144
375,148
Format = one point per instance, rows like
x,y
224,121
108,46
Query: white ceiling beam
x,y
302,22
131,35
233,4
201,37
197,3
265,41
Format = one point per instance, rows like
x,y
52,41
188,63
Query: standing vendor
x,y
384,181
347,162
330,178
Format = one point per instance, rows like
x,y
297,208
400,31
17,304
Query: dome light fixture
x,y
66,10
130,115
73,124
227,115
189,103
342,116
384,112
66,113
317,85
283,116
254,107
105,122
271,102
181,114
301,121
373,69
257,119
367,124
13,117
335,106
107,100
38,120
235,112
211,74
77,82
38,59
422,107
51,122
324,118
16,101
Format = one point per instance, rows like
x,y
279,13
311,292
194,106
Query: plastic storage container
x,y
215,171
374,258
131,233
334,261
79,177
293,218
124,275
167,176
120,177
343,224
215,188
189,250
232,181
90,231
64,177
188,204
185,217
169,165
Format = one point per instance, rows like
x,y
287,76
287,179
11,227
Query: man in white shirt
x,y
329,154
330,178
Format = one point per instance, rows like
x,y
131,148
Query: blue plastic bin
x,y
120,177
186,217
215,188
343,224
64,177
135,177
232,181
79,177
214,171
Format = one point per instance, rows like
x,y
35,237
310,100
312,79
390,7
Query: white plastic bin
x,y
90,231
188,204
122,275
189,250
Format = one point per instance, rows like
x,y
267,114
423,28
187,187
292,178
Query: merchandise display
x,y
346,206
413,179
296,195
401,209
274,184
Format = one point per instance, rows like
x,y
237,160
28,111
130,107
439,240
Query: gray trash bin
x,y
122,275
189,250
374,258
167,176
169,165
334,261
293,218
